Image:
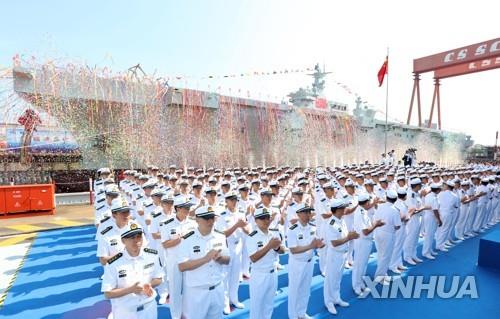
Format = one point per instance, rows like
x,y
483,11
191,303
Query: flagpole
x,y
386,102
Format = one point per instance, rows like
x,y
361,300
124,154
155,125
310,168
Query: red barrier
x,y
27,200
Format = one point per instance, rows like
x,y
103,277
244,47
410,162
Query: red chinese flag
x,y
383,71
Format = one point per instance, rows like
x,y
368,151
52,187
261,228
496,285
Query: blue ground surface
x,y
60,279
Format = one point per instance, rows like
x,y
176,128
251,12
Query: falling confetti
x,y
129,120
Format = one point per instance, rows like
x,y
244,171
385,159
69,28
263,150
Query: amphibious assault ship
x,y
86,109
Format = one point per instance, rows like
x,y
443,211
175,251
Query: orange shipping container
x,y
42,197
2,201
27,199
17,199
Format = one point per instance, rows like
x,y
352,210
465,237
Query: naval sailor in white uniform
x,y
130,276
202,254
363,245
263,244
337,238
172,231
302,241
385,235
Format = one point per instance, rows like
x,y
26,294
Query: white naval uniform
x,y
100,196
170,229
226,220
349,221
410,244
244,205
456,213
202,293
138,197
221,198
481,207
448,204
291,213
385,235
98,185
264,277
487,207
493,204
430,222
195,201
371,211
148,207
123,184
156,216
104,223
362,247
102,214
129,192
124,271
487,217
275,223
462,215
397,252
335,229
380,192
102,211
300,269
496,204
322,207
109,241
471,215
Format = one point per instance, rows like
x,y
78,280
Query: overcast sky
x,y
199,38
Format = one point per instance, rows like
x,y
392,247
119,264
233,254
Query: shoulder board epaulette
x,y
345,196
151,251
252,233
100,207
148,205
156,215
273,229
106,230
332,222
218,231
100,192
114,258
139,196
311,224
223,213
101,200
136,189
168,221
292,203
105,219
188,234
323,199
294,226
